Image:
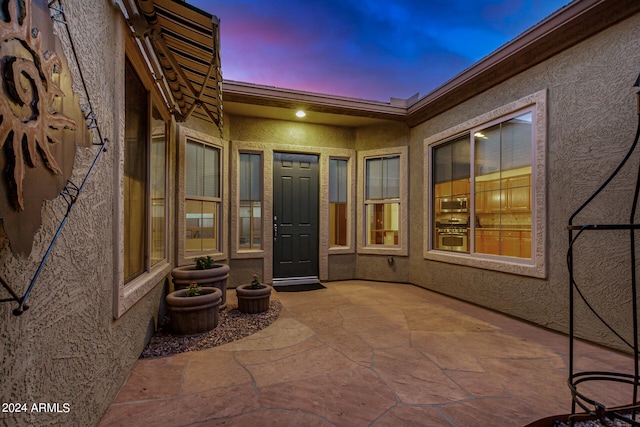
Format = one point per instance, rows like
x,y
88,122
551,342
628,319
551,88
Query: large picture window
x,y
500,192
202,197
487,191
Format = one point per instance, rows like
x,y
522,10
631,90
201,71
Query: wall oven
x,y
452,235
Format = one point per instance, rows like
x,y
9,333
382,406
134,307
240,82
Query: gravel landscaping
x,y
232,325
615,423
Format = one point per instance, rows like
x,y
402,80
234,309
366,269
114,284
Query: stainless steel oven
x,y
456,241
452,235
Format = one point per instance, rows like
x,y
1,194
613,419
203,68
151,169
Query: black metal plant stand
x,y
631,413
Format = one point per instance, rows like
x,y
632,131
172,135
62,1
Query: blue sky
x,y
370,49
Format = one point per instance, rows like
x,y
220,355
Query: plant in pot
x,y
193,310
206,273
253,297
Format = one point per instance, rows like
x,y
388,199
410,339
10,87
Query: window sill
x,y
337,250
249,253
525,267
382,250
130,293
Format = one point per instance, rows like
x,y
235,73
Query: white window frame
x,y
402,249
536,266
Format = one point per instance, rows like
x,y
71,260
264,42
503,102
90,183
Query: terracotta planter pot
x,y
193,315
253,300
215,277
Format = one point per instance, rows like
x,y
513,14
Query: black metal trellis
x,y
71,191
631,413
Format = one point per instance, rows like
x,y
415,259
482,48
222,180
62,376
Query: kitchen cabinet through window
x,y
482,190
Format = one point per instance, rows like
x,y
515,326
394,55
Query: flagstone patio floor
x,y
362,353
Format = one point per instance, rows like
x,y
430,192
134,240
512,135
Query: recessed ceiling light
x,y
300,113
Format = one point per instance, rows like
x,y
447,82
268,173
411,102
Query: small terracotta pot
x,y
193,315
253,301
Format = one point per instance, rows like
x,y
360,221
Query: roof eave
x,y
270,96
565,28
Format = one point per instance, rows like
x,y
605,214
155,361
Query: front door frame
x,y
313,230
269,150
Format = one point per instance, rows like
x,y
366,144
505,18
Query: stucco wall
x,y
67,348
289,132
591,124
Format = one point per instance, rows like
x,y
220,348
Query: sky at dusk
x,y
369,49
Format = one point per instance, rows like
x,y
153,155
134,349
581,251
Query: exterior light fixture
x,y
300,114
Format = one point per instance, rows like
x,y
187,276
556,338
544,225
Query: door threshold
x,y
290,281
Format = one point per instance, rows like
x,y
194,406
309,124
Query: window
x,y
135,173
383,196
144,180
500,156
158,189
250,212
451,171
382,200
503,187
487,192
338,208
202,197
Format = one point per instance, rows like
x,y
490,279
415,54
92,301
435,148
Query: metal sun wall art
x,y
34,114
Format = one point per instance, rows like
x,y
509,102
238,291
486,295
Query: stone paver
x,y
366,354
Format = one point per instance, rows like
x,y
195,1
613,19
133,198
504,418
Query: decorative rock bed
x,y
232,326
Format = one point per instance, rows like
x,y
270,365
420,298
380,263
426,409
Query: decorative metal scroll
x,y
31,116
39,117
580,398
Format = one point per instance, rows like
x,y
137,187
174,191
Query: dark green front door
x,y
295,215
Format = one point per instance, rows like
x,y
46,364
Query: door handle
x,y
275,228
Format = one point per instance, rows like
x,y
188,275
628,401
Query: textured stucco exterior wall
x,y
591,124
289,132
382,136
67,348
